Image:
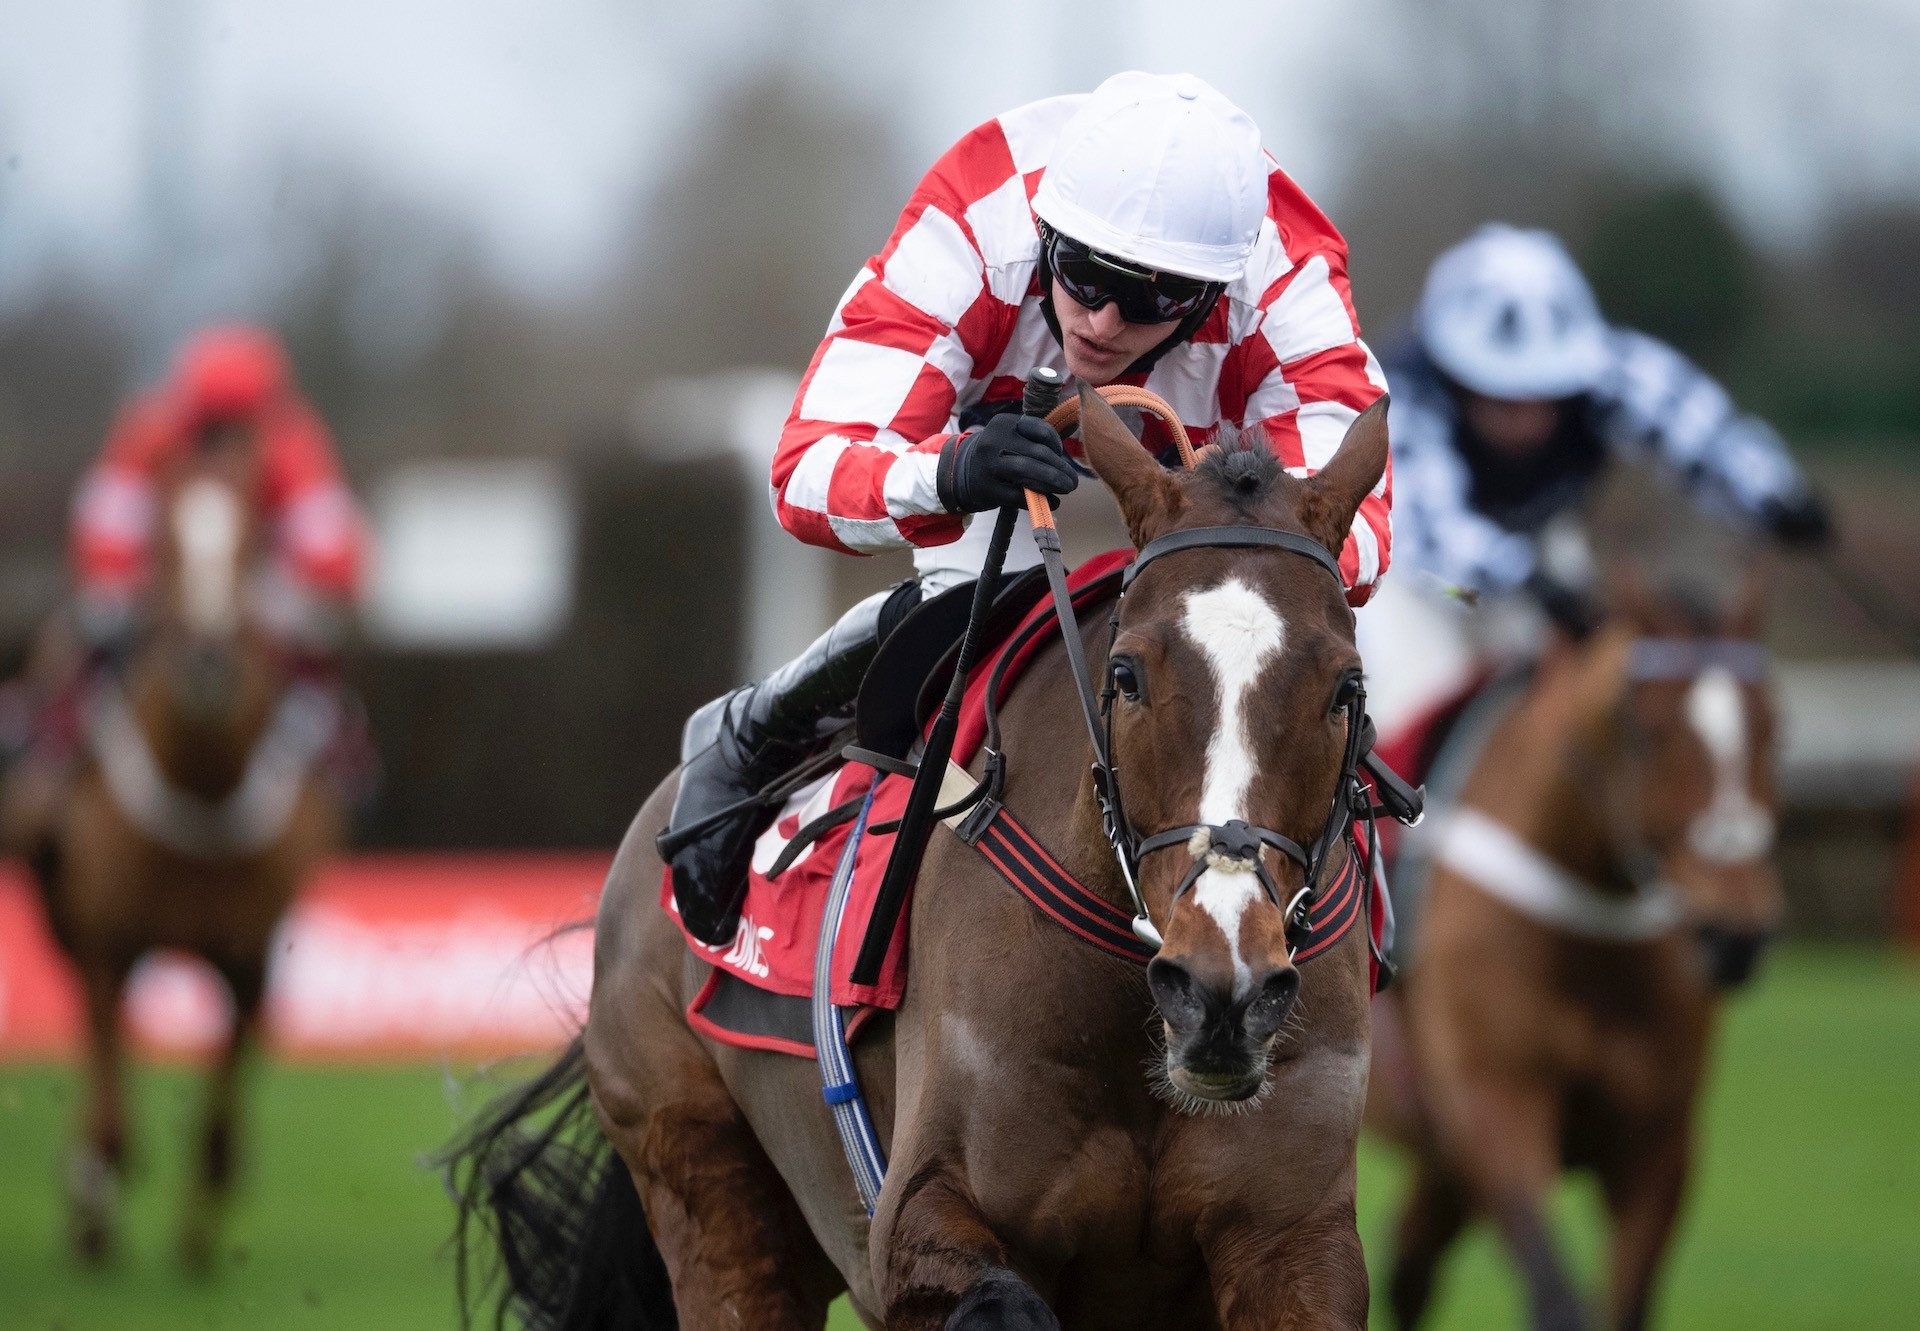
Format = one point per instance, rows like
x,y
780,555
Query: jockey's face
x,y
226,436
1099,343
1515,427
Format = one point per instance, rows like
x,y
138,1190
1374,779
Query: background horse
x,y
1073,1140
191,822
1602,876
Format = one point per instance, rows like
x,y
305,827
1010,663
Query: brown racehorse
x,y
1073,1141
192,820
1601,876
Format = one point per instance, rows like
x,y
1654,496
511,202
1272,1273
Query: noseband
x,y
1235,845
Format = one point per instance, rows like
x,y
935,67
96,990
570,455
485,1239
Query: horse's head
x,y
207,545
1687,750
1234,673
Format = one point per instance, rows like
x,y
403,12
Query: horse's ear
x,y
1334,494
1149,497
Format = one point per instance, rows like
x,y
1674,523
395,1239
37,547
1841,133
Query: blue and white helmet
x,y
1506,313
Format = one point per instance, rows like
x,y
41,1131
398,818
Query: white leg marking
x,y
1734,828
206,528
1239,633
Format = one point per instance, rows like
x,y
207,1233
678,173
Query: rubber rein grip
x,y
1065,416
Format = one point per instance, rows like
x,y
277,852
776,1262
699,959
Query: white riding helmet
x,y
1160,170
1506,313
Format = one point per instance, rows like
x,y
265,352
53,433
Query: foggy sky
x,y
539,119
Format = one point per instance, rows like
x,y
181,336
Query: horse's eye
x,y
1344,693
1126,678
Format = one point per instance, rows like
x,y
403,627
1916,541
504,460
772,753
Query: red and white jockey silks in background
x,y
225,376
949,316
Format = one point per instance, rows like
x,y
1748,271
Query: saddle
x,y
903,687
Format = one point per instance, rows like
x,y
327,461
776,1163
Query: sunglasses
x,y
1142,295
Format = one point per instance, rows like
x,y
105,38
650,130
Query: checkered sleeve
x,y
1656,403
1305,373
854,469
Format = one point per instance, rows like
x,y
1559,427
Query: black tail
x,y
538,1183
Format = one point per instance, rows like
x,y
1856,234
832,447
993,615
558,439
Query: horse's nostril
x,y
1175,992
1270,1002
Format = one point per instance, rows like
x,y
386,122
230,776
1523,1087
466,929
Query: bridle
x,y
1235,845
1654,660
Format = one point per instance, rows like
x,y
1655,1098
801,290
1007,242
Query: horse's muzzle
x,y
1217,1044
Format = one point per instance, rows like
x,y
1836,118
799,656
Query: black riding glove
x,y
992,466
1800,520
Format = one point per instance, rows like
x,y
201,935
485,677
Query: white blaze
x,y
1734,827
206,528
1239,633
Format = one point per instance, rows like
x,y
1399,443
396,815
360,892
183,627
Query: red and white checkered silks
x,y
948,314
318,532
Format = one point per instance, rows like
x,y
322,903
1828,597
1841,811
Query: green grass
x,y
1805,1215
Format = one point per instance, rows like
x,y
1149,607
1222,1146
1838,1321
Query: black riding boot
x,y
743,741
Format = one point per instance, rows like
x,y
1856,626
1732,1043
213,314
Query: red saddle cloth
x,y
780,920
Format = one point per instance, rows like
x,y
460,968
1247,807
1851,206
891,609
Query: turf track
x,y
1807,1215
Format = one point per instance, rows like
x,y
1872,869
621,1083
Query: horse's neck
x,y
1539,772
204,756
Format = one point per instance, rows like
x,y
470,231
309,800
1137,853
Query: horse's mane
x,y
1240,467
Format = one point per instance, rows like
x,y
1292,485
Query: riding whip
x,y
916,823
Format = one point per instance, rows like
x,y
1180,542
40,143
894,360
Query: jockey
x,y
1509,397
233,378
1138,234
229,381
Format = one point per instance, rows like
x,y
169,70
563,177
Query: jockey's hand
x,y
992,466
1800,520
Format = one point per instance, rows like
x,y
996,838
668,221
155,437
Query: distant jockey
x,y
234,383
233,379
1508,398
1138,234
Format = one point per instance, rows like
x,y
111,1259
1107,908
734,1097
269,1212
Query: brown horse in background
x,y
1599,878
191,821
1073,1140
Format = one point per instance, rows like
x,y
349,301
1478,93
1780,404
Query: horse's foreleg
x,y
1505,1141
945,1268
1437,1210
99,1157
1643,1189
1312,1274
200,1231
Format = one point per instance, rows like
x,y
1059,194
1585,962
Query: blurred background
x,y
550,272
